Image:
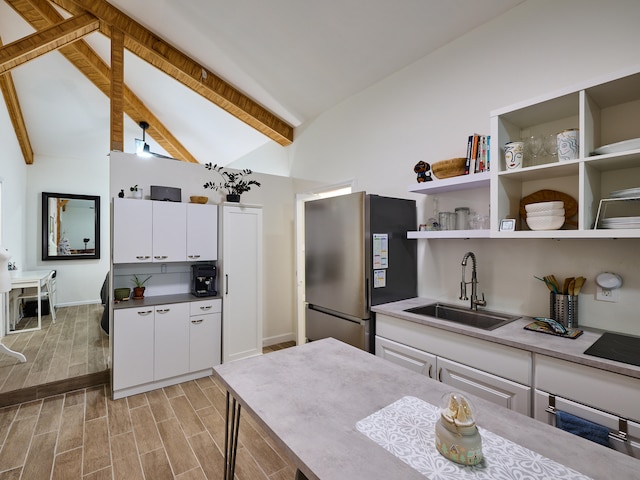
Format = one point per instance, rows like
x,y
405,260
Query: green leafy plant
x,y
234,183
139,283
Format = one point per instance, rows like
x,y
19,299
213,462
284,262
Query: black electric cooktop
x,y
614,346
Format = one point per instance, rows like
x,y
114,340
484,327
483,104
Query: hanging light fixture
x,y
142,148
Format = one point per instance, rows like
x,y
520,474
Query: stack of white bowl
x,y
545,215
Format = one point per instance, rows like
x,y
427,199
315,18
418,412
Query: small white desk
x,y
26,279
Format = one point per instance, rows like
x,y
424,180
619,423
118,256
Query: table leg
x,y
300,475
231,436
39,306
5,314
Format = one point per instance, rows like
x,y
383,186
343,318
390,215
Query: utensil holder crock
x,y
564,309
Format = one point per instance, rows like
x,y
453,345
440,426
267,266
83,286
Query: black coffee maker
x,y
203,280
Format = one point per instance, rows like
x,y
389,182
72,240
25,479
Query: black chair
x,y
104,297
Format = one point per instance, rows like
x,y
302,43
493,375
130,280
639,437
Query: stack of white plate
x,y
626,193
545,215
621,222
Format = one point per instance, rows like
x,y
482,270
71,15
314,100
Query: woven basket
x,y
197,199
453,167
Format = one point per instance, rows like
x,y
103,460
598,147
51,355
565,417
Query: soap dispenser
x,y
457,436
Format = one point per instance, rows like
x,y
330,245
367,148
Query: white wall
x,y
78,281
13,175
426,111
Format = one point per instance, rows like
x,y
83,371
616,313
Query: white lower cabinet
x,y
205,340
405,356
506,393
165,344
498,390
606,398
171,346
624,436
133,347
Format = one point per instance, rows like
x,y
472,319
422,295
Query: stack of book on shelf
x,y
478,158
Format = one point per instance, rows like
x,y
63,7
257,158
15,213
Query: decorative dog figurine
x,y
422,169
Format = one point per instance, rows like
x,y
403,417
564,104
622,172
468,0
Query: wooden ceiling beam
x,y
187,71
116,129
44,41
10,95
40,14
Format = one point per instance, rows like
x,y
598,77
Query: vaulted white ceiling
x,y
297,58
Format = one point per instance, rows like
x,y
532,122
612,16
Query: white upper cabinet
x,y
169,232
132,231
202,232
146,231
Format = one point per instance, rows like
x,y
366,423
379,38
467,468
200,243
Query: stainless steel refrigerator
x,y
356,255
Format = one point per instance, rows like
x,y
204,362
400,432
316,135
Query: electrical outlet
x,y
607,295
163,268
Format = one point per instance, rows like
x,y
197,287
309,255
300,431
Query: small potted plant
x,y
234,183
136,191
138,289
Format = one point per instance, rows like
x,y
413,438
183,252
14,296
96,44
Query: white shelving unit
x,y
606,111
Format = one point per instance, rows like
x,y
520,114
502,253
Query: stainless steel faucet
x,y
474,283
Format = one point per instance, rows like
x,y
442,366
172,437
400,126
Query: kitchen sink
x,y
483,319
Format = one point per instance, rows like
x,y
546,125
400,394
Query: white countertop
x,y
514,335
153,300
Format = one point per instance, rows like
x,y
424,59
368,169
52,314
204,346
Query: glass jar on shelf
x,y
462,218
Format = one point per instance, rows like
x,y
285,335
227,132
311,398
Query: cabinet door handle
x,y
163,310
160,257
194,256
226,292
142,257
195,322
430,367
208,307
145,313
440,374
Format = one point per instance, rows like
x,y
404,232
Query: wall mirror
x,y
70,226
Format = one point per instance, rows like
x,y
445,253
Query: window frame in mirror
x,y
46,227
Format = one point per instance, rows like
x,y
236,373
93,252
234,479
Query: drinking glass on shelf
x,y
533,150
550,147
447,220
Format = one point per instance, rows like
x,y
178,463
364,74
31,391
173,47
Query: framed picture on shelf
x,y
507,225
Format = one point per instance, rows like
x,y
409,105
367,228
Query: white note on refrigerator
x,y
380,250
379,278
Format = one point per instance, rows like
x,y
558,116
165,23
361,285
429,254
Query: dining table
x,y
339,412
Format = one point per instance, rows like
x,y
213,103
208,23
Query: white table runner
x,y
406,428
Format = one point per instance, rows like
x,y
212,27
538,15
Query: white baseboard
x,y
287,337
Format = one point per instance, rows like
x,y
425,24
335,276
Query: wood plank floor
x,y
174,432
72,347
